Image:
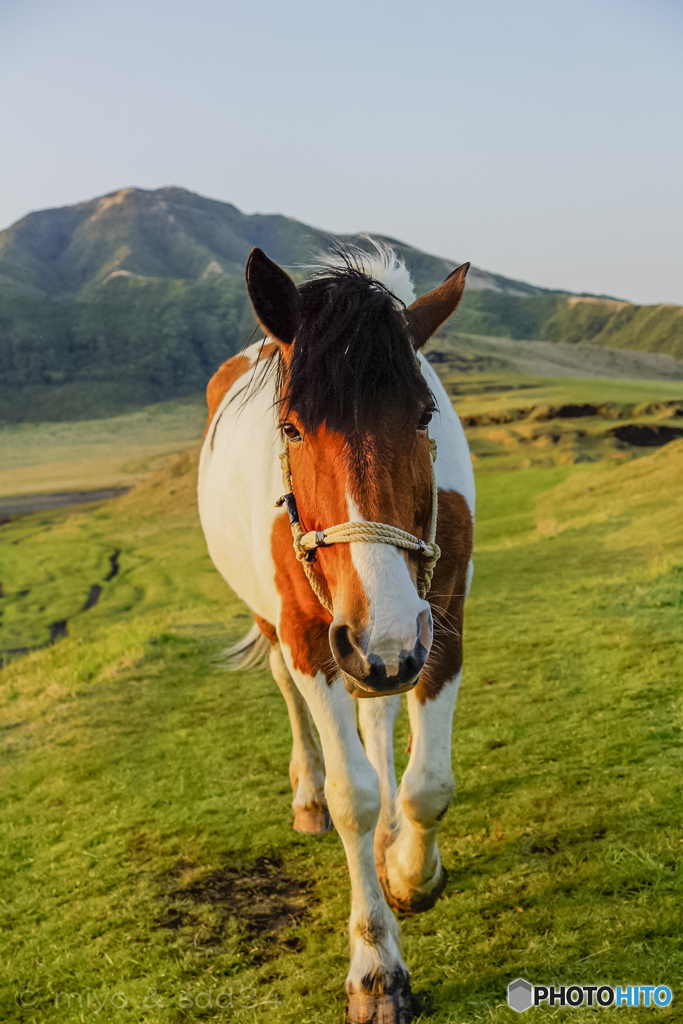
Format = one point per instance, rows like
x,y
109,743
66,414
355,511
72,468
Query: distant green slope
x,y
618,325
133,342
505,316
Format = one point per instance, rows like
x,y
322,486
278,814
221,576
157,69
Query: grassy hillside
x,y
571,320
146,839
506,316
130,343
618,325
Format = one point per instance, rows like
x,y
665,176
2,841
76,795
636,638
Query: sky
x,y
538,139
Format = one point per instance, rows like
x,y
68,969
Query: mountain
x,y
138,296
173,233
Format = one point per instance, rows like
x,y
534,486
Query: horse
x,y
336,495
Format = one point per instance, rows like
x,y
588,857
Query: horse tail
x,y
250,652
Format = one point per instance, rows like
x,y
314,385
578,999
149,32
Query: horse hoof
x,y
386,1009
419,901
312,821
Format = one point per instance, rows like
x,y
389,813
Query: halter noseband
x,y
306,544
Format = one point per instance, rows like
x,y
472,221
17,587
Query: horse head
x,y
354,412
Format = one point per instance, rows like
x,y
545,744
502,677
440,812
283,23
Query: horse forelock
x,y
352,363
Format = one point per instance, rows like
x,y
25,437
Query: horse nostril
x,y
348,651
425,630
341,642
415,661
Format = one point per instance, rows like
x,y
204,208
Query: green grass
x,y
32,444
133,767
92,454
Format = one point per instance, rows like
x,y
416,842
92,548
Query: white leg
x,y
414,873
377,718
306,768
377,982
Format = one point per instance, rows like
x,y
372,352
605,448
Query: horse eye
x,y
425,419
290,431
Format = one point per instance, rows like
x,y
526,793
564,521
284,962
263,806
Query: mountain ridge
x,y
64,249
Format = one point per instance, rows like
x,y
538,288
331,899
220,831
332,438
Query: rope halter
x,y
306,544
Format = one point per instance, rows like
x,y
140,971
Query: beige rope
x,y
369,533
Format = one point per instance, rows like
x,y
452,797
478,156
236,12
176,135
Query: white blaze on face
x,y
397,616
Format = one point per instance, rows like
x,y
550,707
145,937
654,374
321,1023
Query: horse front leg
x,y
377,984
377,718
414,875
306,768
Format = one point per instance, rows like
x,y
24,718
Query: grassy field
x,y
40,458
121,451
149,866
516,421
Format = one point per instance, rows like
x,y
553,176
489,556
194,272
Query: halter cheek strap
x,y
306,544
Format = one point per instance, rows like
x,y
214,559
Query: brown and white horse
x,y
339,384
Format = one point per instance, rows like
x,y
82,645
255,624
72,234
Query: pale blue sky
x,y
539,139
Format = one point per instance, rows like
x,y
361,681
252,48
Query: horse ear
x,y
274,297
429,312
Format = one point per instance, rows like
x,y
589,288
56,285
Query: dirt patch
x,y
58,630
261,899
114,566
92,598
605,411
566,412
468,362
551,843
643,436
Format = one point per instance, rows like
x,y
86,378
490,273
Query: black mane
x,y
353,362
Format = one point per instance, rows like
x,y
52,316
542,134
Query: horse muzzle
x,y
366,674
